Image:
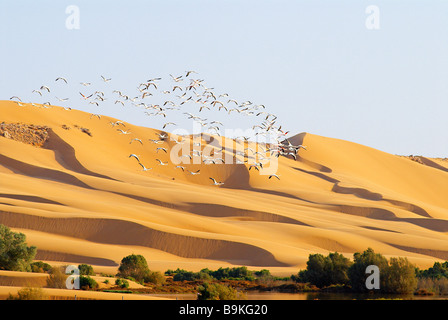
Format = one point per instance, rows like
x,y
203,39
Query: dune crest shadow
x,y
122,232
65,155
33,171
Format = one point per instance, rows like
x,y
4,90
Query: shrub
x,y
155,277
40,267
85,269
85,282
300,277
216,291
241,273
432,286
400,276
122,283
184,275
170,272
437,271
15,255
264,277
56,279
262,273
325,271
357,272
203,275
107,275
397,275
29,294
338,269
134,266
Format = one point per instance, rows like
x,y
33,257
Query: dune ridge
x,y
335,196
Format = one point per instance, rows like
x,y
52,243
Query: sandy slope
x,y
65,294
81,199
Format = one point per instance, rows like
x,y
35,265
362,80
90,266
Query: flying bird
x,y
156,141
95,115
162,136
61,78
168,123
254,166
117,123
136,139
215,182
161,162
177,79
85,97
134,156
144,168
189,72
105,80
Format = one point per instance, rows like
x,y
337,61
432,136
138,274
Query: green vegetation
x,y
134,266
85,269
86,283
326,271
184,275
15,255
122,283
400,276
437,271
236,273
29,294
357,272
155,277
433,280
216,291
57,278
336,271
40,267
119,291
432,286
333,272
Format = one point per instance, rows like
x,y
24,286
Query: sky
x,y
378,77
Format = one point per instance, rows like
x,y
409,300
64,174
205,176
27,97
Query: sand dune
x,y
64,294
80,198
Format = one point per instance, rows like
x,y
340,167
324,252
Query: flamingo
x,y
215,182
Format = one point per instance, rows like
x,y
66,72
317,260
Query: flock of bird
x,y
182,93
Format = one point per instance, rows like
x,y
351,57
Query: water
x,y
263,295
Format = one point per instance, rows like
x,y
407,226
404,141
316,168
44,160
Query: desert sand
x,y
80,198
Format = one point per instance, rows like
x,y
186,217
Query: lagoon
x,y
273,295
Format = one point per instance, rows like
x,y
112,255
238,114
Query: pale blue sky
x,y
312,63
